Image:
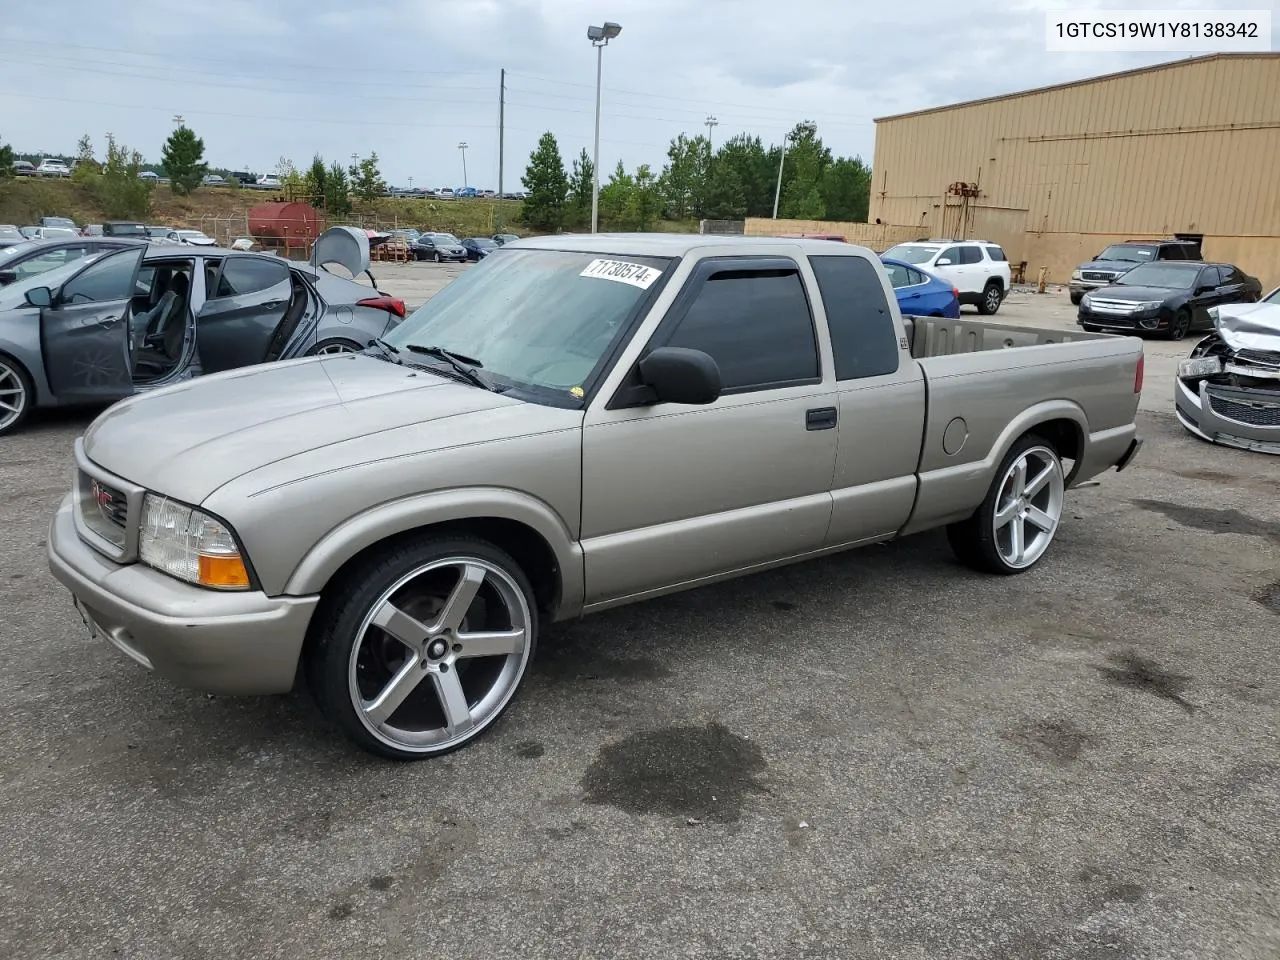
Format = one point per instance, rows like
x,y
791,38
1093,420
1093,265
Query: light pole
x,y
599,37
710,123
463,147
808,128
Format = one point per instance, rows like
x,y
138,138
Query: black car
x,y
438,247
501,238
478,247
1168,297
30,257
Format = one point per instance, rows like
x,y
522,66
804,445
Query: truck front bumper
x,y
208,640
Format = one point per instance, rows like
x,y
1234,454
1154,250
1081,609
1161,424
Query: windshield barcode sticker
x,y
636,274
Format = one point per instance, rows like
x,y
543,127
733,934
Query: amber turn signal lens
x,y
225,571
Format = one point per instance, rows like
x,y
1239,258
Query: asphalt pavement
x,y
879,754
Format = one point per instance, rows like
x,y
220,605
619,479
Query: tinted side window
x,y
862,335
899,276
970,255
757,326
952,254
1171,252
111,278
1231,274
244,275
917,277
997,254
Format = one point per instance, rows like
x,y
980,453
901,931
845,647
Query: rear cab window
x,y
864,341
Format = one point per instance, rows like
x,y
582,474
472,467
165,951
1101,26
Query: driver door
x,y
246,300
84,335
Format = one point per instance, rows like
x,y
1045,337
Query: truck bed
x,y
941,336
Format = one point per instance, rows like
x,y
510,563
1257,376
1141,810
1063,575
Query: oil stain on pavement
x,y
1057,740
1214,521
702,773
1138,673
1270,597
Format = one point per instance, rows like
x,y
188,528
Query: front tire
x,y
17,395
422,647
1017,520
438,257
992,297
1076,298
1181,325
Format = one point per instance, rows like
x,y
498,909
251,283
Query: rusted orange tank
x,y
293,223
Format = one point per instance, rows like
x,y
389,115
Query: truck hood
x,y
187,440
1118,265
1250,326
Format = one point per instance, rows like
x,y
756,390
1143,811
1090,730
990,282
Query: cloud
x,y
410,79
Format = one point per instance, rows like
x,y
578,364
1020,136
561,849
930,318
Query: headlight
x,y
1200,367
1075,275
1086,300
190,545
1149,305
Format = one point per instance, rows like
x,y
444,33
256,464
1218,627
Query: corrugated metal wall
x,y
1190,147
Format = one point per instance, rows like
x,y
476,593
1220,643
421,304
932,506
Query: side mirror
x,y
40,297
943,262
7,277
681,375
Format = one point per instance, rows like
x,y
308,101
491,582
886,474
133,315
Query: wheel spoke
x,y
1020,478
1039,518
1006,513
1038,482
498,643
10,407
1017,539
453,701
406,679
460,600
408,630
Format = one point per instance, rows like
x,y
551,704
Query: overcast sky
x,y
410,79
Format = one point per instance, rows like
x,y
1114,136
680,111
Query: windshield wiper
x,y
464,365
389,352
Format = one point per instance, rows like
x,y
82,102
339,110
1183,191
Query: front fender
x,y
389,519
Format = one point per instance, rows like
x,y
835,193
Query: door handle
x,y
820,418
273,303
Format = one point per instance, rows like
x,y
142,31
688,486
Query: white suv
x,y
979,269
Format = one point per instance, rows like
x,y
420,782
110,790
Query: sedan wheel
x,y
15,395
1017,521
1180,326
327,348
425,647
438,257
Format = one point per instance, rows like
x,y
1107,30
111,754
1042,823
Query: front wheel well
x,y
526,546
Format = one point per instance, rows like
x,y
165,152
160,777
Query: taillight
x,y
389,304
955,292
1137,374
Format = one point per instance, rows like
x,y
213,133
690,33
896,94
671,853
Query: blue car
x,y
921,294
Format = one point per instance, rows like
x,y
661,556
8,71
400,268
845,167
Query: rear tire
x,y
419,649
17,395
1015,524
992,297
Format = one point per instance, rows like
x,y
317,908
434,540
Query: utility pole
x,y
502,106
710,123
463,147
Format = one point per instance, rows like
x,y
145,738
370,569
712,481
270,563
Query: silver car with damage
x,y
579,423
1228,390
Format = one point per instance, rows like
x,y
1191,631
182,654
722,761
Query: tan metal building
x,y
1055,174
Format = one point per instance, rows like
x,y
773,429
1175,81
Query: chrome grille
x,y
1098,275
1263,358
1256,413
103,508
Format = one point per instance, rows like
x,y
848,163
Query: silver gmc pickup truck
x,y
576,423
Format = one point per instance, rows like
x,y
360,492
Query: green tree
x,y
755,168
183,160
724,197
546,186
581,181
807,160
86,166
846,189
684,177
644,205
337,192
314,181
366,179
615,197
6,160
117,189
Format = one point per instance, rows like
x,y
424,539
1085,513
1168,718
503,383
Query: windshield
x,y
1273,296
10,235
540,319
911,253
444,237
1120,251
192,235
1170,275
127,230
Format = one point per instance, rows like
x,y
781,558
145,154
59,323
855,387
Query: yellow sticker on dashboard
x,y
577,392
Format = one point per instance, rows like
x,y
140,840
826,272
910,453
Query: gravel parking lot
x,y
875,755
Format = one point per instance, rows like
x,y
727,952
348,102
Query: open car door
x,y
84,331
247,297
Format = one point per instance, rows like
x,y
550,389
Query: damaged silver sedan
x,y
1228,390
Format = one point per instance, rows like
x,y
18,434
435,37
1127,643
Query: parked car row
x,y
451,193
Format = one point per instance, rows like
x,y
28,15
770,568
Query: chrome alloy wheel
x,y
439,655
13,395
337,346
1029,507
